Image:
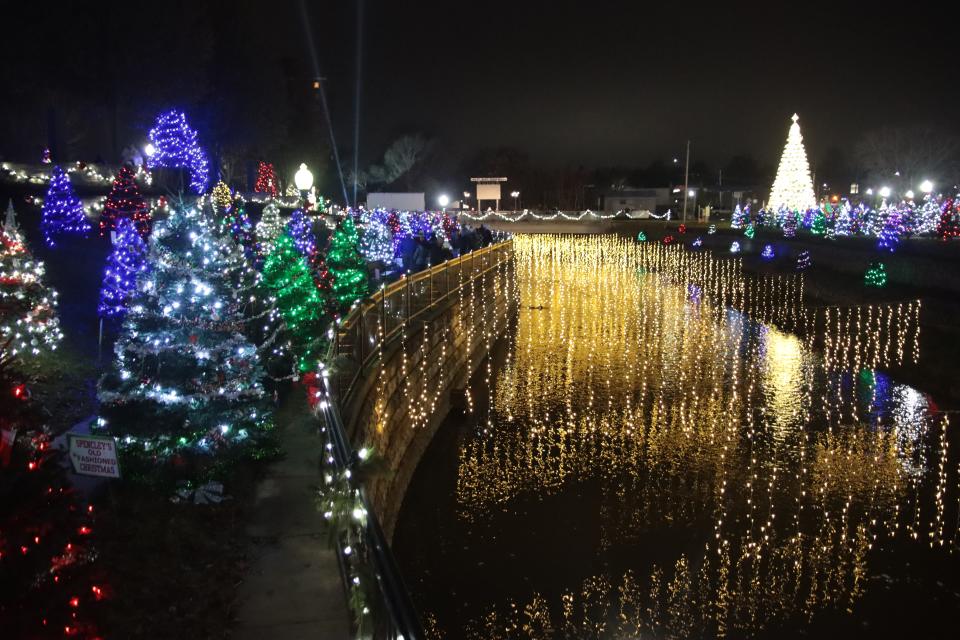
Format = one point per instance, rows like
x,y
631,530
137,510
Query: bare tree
x,y
916,153
399,161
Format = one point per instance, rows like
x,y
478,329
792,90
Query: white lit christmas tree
x,y
187,381
793,187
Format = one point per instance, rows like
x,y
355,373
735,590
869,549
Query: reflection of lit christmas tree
x,y
804,261
767,253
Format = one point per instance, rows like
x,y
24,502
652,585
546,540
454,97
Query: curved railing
x,y
357,342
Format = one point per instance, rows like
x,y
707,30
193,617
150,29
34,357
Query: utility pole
x,y
686,183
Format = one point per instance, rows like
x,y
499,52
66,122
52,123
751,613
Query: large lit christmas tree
x,y
175,145
287,274
125,201
125,264
793,187
266,180
347,265
29,325
186,382
62,210
47,583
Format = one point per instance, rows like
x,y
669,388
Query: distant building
x,y
630,199
414,201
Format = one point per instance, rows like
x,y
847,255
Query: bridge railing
x,y
357,343
382,317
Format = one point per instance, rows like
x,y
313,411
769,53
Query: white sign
x,y
94,455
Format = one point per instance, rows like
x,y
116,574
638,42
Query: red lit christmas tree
x,y
125,201
266,179
47,588
949,226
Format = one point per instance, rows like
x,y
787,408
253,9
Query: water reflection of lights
x,y
614,381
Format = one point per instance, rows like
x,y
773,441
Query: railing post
x,y
361,336
431,287
407,321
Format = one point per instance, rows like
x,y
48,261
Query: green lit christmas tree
x,y
346,265
876,275
287,275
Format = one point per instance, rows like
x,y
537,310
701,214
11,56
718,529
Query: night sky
x,y
569,83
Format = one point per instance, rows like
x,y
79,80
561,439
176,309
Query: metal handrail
x,y
402,618
403,302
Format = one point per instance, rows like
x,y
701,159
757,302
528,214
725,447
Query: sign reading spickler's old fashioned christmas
x,y
94,455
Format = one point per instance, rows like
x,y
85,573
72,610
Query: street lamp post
x,y
443,201
303,178
515,194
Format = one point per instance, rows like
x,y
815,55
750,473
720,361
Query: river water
x,y
665,446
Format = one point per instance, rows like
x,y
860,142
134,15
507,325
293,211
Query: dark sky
x,y
622,82
571,83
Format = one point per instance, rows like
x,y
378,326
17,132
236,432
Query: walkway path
x,y
293,588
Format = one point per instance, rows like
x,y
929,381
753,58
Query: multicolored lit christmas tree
x,y
266,180
790,225
186,383
793,187
125,264
62,210
235,221
740,217
176,145
287,274
29,326
819,224
889,237
300,228
125,201
347,265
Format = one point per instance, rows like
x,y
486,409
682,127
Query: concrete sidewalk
x,y
292,590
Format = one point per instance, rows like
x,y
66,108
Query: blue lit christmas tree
x,y
376,244
300,229
124,265
62,210
767,253
175,145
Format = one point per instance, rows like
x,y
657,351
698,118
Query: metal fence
x,y
382,317
356,345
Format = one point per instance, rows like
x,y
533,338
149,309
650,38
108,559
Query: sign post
x,y
93,455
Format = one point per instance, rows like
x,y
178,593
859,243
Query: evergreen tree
x,y
287,274
889,236
266,180
62,210
47,582
176,145
269,228
29,325
235,221
949,225
220,197
124,265
844,224
377,242
790,225
928,216
347,265
187,382
793,187
739,218
125,201
819,224
300,228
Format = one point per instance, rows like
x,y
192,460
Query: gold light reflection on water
x,y
638,367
